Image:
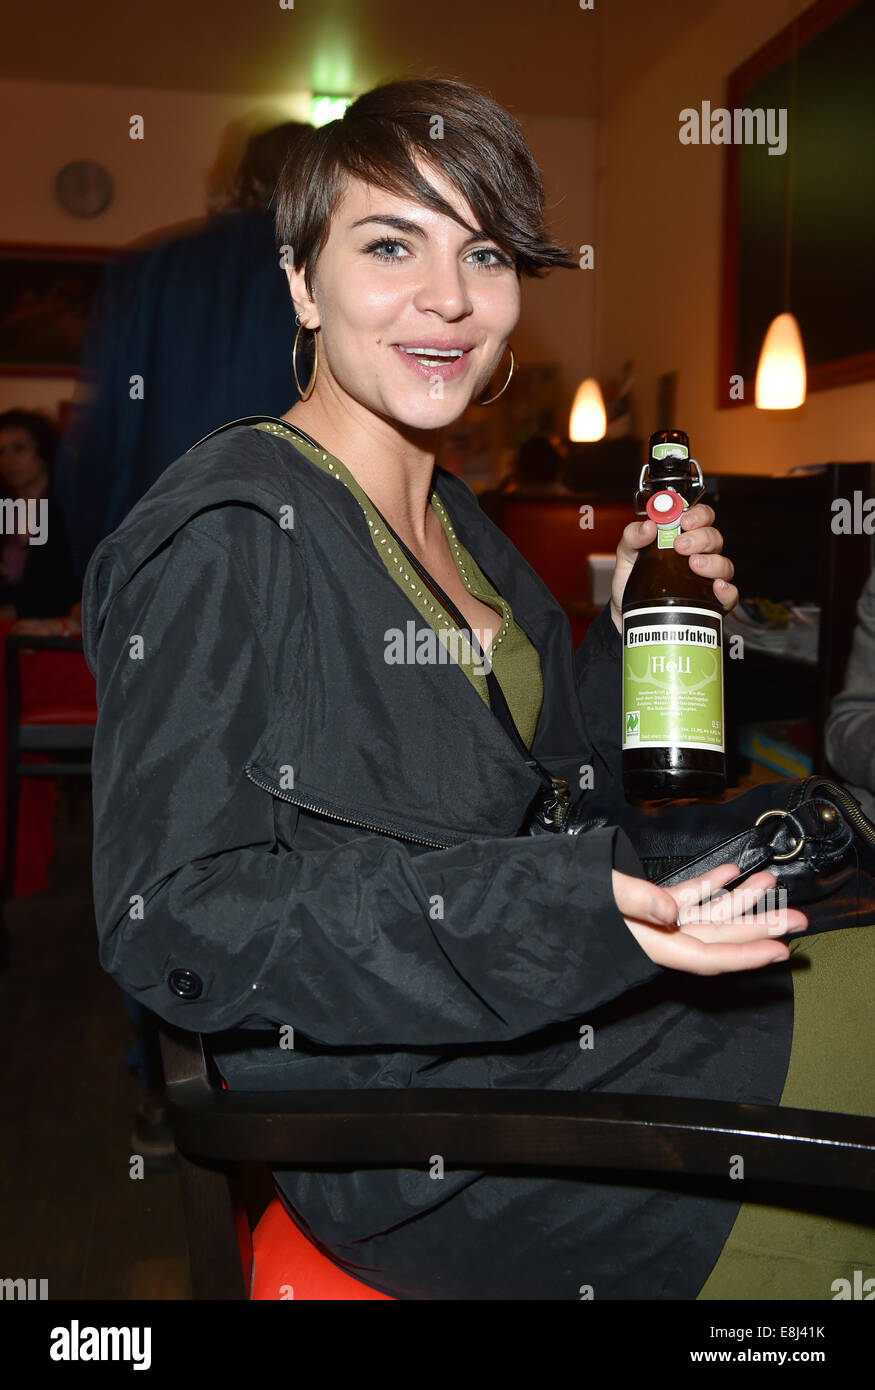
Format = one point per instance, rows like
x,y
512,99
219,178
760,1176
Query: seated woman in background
x,y
850,730
36,567
539,468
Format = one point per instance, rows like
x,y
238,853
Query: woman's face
x,y
394,275
20,464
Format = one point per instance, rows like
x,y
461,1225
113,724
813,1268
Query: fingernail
x,y
666,914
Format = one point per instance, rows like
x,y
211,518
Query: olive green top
x,y
514,659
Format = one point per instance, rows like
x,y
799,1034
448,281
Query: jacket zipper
x,y
853,812
345,820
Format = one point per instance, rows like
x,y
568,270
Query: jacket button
x,y
185,983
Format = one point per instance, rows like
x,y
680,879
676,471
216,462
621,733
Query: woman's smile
x,y
434,359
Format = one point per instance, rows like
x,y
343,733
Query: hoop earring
x,y
312,382
507,380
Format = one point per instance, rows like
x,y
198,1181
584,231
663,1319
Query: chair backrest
x,y
556,537
48,682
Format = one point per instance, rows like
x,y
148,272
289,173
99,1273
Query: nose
x,y
443,289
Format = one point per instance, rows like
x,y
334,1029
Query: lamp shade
x,y
781,374
588,418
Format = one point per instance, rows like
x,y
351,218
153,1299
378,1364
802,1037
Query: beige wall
x,y
661,262
557,310
159,181
162,180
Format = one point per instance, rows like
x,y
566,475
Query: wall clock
x,y
84,188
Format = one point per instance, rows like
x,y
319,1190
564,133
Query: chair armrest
x,y
512,1128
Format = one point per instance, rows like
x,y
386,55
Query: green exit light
x,y
324,109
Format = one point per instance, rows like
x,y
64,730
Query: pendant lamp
x,y
588,417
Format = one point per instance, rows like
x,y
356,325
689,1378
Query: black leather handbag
x,y
809,832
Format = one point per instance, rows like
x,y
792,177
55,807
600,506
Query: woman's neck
x,y
393,466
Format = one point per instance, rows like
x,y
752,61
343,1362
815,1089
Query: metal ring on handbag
x,y
793,852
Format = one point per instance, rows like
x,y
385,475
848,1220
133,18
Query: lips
x,y
439,344
450,359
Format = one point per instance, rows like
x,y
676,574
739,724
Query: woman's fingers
x,y
699,541
645,901
683,951
714,929
738,914
695,890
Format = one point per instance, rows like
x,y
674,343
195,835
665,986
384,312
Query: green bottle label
x,y
673,678
670,451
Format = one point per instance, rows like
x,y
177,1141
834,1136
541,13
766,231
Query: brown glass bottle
x,y
673,717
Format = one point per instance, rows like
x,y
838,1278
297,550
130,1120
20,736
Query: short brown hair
x,y
480,150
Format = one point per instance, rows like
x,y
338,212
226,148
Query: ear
x,y
304,304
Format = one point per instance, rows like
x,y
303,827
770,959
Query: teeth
x,y
433,352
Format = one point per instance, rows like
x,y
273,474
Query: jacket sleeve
x,y
850,729
208,919
598,664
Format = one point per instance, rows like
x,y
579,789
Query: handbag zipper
x,y
345,820
851,809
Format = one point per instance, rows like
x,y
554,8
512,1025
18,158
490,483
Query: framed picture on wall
x,y
799,207
46,294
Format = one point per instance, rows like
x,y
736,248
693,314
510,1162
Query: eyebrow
x,y
404,224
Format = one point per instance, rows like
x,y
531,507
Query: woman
x,y
36,568
306,819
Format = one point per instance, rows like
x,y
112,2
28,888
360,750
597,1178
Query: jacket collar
x,y
436,765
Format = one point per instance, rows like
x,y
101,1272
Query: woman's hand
x,y
703,547
688,928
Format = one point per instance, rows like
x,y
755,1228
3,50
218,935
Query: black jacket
x,y
288,830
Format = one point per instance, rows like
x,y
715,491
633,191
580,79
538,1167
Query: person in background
x,y
36,569
183,337
538,469
849,736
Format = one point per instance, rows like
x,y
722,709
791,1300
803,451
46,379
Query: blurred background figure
x,y
36,579
539,467
849,735
184,336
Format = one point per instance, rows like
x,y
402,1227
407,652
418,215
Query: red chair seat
x,y
40,713
287,1265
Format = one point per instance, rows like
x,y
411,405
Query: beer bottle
x,y
673,731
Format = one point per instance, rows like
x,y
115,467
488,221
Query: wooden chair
x,y
217,1130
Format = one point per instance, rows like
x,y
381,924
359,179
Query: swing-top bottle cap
x,y
666,444
665,507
